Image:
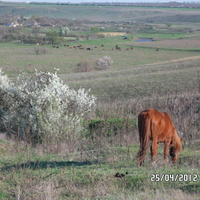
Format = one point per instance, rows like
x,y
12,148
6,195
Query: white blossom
x,y
4,81
45,103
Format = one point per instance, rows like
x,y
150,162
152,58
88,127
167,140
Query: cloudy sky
x,y
125,0
79,1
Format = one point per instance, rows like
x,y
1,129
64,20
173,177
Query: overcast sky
x,y
82,1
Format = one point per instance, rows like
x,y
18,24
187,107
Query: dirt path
x,y
176,60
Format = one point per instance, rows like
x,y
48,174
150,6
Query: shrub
x,y
41,106
83,67
111,126
40,51
104,63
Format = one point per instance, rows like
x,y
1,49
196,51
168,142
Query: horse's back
x,y
146,119
154,115
161,123
150,114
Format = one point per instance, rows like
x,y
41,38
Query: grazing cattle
x,y
117,48
157,49
157,127
89,49
81,47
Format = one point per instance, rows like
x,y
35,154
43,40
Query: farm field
x,y
156,60
106,13
101,161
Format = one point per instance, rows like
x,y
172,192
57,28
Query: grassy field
x,y
28,173
163,74
168,65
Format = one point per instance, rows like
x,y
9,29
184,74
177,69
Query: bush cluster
x,y
83,67
40,51
104,63
101,64
40,106
109,126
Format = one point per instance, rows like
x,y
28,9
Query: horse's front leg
x,y
166,150
154,150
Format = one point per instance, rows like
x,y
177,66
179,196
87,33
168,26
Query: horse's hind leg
x,y
154,150
141,155
140,159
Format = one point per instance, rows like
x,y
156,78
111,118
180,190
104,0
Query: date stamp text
x,y
174,177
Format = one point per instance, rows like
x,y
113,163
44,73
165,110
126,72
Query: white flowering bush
x,y
104,63
4,81
5,87
43,106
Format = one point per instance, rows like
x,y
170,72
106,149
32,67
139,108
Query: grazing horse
x,y
157,127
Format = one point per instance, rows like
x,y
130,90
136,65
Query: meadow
x,y
163,74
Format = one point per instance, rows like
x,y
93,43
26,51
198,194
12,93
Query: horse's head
x,y
173,154
174,150
176,146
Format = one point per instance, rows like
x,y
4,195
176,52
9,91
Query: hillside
x,y
104,13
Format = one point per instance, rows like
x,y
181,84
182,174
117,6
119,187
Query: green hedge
x,y
109,126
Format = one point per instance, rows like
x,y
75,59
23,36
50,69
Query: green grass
x,y
16,57
139,81
69,179
161,35
142,71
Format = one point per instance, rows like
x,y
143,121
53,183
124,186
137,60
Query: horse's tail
x,y
144,126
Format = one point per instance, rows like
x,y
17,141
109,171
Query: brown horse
x,y
158,127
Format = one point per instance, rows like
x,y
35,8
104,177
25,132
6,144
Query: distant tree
x,y
169,25
35,30
36,18
95,29
64,31
53,37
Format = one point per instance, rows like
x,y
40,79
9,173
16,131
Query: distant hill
x,y
149,13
